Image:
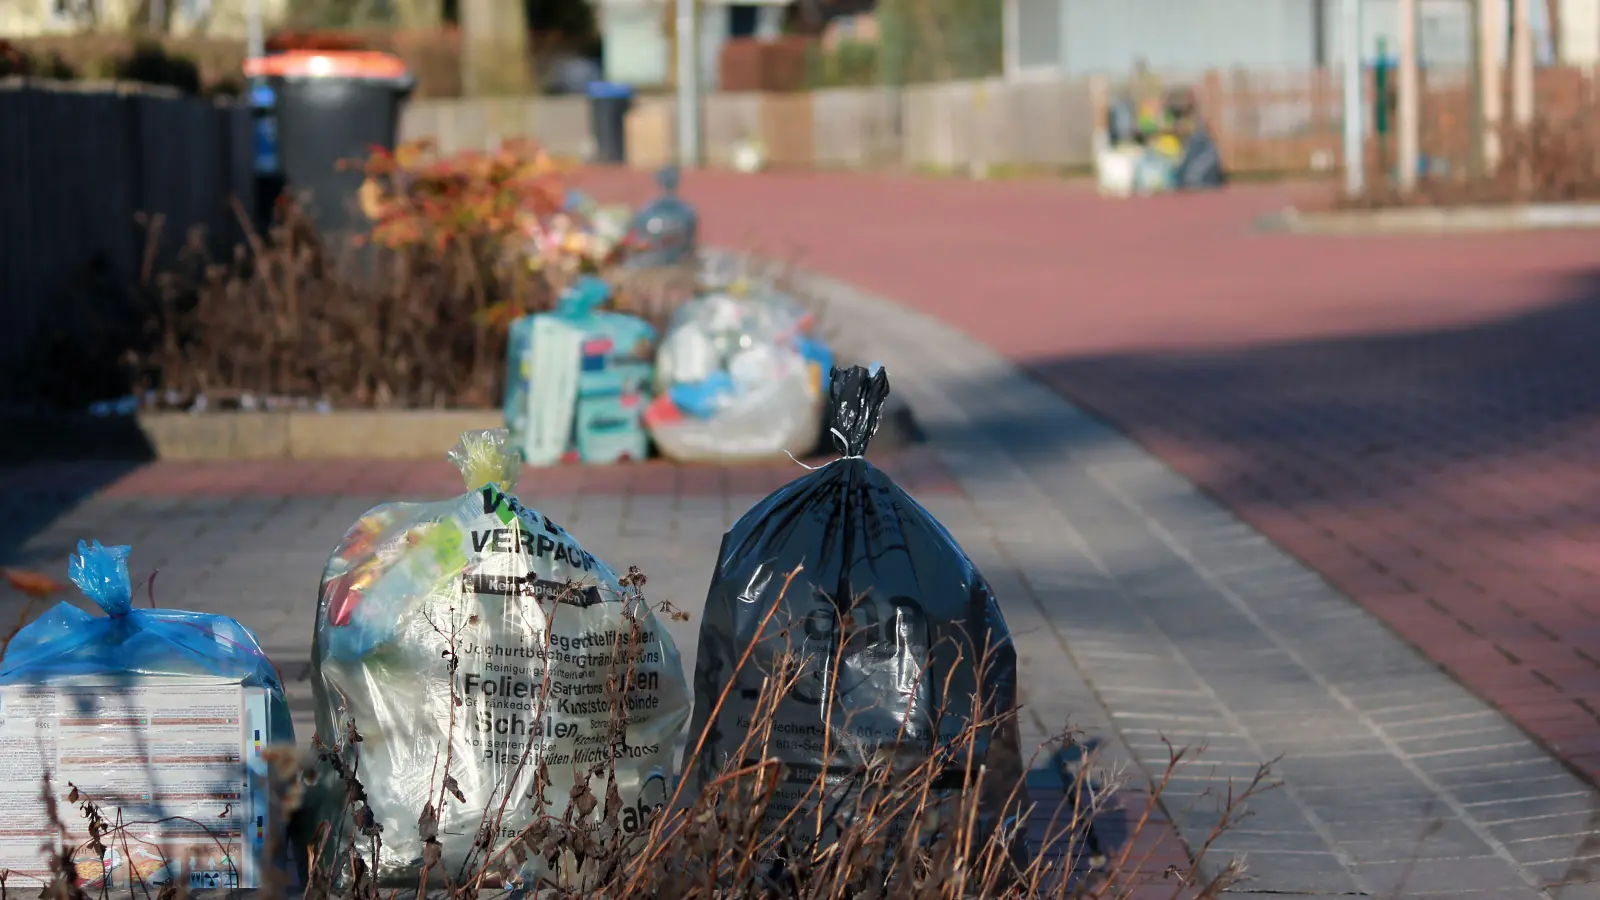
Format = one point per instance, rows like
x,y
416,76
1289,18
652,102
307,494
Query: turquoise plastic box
x,y
614,378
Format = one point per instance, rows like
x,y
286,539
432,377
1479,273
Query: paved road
x,y
1142,610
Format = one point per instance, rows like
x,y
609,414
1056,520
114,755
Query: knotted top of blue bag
x,y
102,574
67,641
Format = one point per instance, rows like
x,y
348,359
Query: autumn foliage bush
x,y
413,319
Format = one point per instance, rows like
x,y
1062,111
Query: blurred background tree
x,y
419,14
939,40
494,48
335,14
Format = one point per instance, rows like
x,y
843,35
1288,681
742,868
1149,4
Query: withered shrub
x,y
413,316
1556,159
717,846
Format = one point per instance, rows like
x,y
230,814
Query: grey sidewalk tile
x,y
1538,807
1572,825
1583,845
1433,726
1441,875
1393,830
1422,809
1297,873
1472,759
1446,840
1237,842
1562,785
1563,872
1353,793
1522,770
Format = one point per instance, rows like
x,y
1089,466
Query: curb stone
x,y
1435,220
349,434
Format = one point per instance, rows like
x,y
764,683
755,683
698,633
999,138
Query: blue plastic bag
x,y
702,399
66,641
666,232
124,677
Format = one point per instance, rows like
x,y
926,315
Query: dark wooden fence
x,y
84,169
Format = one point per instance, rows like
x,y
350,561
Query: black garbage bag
x,y
1201,166
899,655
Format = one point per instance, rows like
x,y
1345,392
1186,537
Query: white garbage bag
x,y
740,376
474,644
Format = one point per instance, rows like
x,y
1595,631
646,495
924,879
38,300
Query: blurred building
x,y
637,36
1083,37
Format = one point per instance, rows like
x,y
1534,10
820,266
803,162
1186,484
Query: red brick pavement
x,y
1417,418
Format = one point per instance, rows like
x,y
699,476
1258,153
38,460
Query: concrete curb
x,y
354,434
1435,220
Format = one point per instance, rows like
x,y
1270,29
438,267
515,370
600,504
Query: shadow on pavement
x,y
33,497
1378,420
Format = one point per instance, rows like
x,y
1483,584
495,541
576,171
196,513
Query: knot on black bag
x,y
856,398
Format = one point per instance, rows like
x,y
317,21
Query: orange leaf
x,y
35,584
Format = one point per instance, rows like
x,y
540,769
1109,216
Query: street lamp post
x,y
1407,97
1491,37
688,62
1354,113
255,39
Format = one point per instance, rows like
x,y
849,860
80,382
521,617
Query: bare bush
x,y
1552,160
288,316
719,844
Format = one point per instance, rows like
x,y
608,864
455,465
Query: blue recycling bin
x,y
609,103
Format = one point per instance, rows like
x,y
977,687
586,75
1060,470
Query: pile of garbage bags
x,y
1157,146
478,673
740,374
737,373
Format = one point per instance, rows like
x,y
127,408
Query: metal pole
x,y
1008,42
1521,63
1522,81
255,40
688,33
1407,99
1354,112
1492,32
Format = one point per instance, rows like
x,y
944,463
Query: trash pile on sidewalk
x,y
742,376
737,373
490,279
495,705
1156,143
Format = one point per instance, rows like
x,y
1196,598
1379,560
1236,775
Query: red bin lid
x,y
365,64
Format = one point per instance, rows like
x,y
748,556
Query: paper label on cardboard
x,y
165,758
